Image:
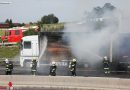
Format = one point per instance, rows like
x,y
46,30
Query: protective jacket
x,y
72,67
34,65
53,70
9,68
106,66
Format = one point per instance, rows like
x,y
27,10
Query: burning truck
x,y
45,47
50,46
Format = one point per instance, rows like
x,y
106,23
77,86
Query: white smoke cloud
x,y
90,44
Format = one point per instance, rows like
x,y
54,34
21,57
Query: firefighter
x,y
72,67
34,66
53,68
106,65
9,67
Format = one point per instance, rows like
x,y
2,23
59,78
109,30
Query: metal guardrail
x,y
7,43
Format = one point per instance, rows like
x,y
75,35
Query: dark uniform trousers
x,y
9,68
34,68
53,70
106,65
72,67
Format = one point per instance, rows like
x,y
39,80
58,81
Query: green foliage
x,y
7,21
8,52
49,19
52,27
30,32
2,32
11,24
22,24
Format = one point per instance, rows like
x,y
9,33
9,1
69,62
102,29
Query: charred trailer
x,y
54,49
121,53
46,47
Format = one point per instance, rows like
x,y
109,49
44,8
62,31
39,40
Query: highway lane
x,y
27,82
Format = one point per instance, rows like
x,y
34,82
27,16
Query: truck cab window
x,y
17,32
7,33
27,44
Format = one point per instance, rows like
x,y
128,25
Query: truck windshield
x,y
17,32
27,44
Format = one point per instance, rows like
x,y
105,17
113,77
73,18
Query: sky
x,y
66,10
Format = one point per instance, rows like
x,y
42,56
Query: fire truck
x,y
11,35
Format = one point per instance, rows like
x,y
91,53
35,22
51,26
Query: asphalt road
x,y
27,82
41,88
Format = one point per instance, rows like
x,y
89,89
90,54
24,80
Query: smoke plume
x,y
90,38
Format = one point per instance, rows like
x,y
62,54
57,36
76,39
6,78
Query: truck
x,y
29,49
49,46
45,47
11,35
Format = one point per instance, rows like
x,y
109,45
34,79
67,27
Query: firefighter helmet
x,y
74,60
6,60
105,58
53,63
34,59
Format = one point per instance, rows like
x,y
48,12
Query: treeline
x,y
101,17
45,28
48,19
12,24
47,23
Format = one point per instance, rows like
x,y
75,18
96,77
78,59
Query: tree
x,y
30,32
7,21
22,24
108,6
49,19
98,11
10,22
56,20
31,23
45,20
98,16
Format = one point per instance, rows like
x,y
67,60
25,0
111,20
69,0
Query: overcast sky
x,y
65,10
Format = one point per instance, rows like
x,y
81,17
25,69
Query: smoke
x,y
90,38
